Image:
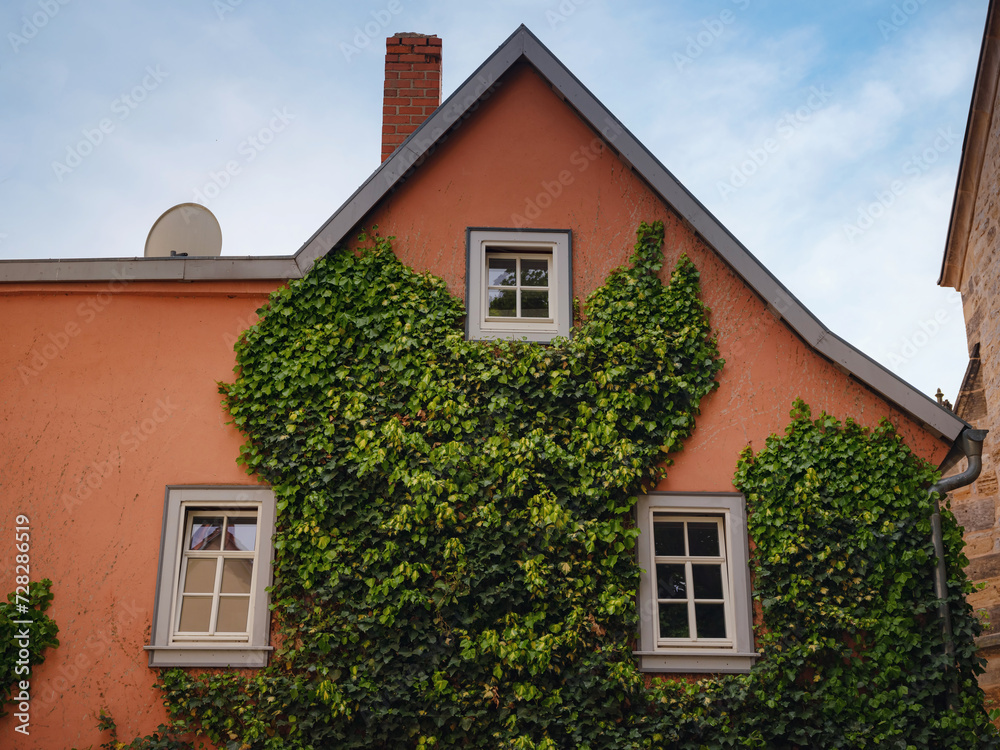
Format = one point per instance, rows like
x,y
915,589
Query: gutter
x,y
971,443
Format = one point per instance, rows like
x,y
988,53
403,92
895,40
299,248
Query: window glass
x,y
691,593
205,532
502,271
241,533
217,573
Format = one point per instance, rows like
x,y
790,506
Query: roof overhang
x,y
970,168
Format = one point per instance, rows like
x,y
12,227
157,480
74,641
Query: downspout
x,y
971,442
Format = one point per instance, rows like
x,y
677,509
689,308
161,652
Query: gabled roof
x,y
970,166
522,45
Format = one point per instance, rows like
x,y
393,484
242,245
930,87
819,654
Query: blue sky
x,y
825,136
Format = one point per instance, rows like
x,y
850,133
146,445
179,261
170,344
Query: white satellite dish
x,y
185,229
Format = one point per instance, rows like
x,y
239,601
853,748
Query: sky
x,y
825,136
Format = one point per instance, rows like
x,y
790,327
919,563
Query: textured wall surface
x,y
976,507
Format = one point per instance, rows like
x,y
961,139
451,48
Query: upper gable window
x,y
518,284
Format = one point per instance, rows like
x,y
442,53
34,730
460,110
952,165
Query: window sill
x,y
208,655
696,660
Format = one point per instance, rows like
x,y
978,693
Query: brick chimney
x,y
412,86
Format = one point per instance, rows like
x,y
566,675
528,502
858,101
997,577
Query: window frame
x,y
556,244
168,646
734,655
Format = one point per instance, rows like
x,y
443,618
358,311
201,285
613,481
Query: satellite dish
x,y
185,229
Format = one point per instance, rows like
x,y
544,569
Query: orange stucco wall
x,y
526,159
108,395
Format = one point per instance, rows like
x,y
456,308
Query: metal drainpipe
x,y
971,442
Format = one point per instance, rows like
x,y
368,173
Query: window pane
x,y
670,583
233,614
707,581
503,304
711,620
200,578
674,621
236,576
241,533
534,304
195,613
668,538
534,272
206,532
704,539
502,271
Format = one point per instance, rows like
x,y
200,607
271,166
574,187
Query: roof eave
x,y
973,156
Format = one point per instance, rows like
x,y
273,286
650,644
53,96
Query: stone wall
x,y
976,506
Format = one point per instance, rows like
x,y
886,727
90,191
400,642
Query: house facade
x,y
522,192
970,266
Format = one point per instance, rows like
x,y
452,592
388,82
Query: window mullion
x,y
688,574
219,566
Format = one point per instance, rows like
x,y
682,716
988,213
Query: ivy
x,y
843,568
455,549
455,558
41,632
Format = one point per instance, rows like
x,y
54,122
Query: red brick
x,y
409,110
427,66
434,41
413,40
404,84
397,100
398,49
393,74
392,58
411,58
424,102
387,110
426,50
388,130
395,120
410,73
398,66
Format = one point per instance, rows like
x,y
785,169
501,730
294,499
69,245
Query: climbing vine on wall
x,y
854,656
16,638
455,550
455,562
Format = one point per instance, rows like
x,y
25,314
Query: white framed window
x,y
215,566
694,594
518,284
